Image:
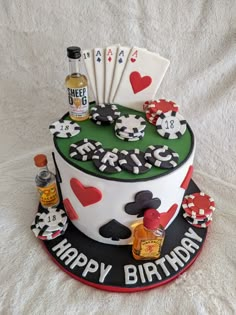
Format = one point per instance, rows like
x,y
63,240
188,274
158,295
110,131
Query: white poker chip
x,y
64,128
130,123
83,150
171,125
161,156
53,219
43,234
106,160
134,161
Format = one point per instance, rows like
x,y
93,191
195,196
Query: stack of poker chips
x,y
49,224
164,115
104,114
130,127
198,209
154,109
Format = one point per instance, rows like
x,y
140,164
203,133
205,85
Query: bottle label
x,y
150,248
48,196
78,101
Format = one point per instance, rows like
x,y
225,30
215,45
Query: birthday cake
x,y
134,153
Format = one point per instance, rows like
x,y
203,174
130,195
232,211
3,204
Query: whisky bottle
x,y
148,237
77,87
46,183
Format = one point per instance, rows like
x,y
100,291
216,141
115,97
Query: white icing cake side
x,y
116,194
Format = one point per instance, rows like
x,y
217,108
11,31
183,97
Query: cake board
x,y
113,268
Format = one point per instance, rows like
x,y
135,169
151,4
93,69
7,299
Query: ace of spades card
x,y
141,78
99,73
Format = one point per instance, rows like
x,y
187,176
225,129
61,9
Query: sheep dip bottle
x,y
77,87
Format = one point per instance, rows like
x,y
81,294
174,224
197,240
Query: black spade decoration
x,y
114,230
143,201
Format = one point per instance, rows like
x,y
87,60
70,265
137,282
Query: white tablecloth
x,y
197,36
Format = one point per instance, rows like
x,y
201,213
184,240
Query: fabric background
x,y
199,39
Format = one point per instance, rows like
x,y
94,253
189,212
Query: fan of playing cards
x,y
124,75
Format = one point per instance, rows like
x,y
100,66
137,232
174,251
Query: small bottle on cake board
x,y
46,183
148,237
77,87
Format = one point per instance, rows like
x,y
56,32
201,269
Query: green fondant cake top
x,y
106,135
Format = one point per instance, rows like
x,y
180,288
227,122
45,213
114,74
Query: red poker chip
x,y
162,106
193,214
146,104
152,119
200,204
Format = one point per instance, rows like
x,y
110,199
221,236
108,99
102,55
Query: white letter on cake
x,y
180,251
189,245
193,235
71,253
92,266
130,274
62,246
80,261
174,261
161,263
151,270
104,271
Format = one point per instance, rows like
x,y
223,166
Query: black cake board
x,y
113,268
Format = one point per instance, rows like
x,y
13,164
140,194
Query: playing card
x,y
121,58
110,58
89,64
99,73
141,78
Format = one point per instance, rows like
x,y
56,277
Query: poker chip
x,y
64,128
129,134
195,220
203,225
53,219
106,160
199,204
129,139
160,106
49,230
152,119
130,123
104,113
171,125
161,156
134,161
83,150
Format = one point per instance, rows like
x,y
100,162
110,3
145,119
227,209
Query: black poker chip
x,y
192,220
161,156
83,150
104,113
107,160
134,161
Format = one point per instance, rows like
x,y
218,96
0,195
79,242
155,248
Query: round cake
x,y
106,203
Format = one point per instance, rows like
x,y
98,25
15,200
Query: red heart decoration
x,y
86,195
132,60
167,216
139,83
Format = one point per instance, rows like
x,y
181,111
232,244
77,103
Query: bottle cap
x,y
151,219
40,160
74,52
